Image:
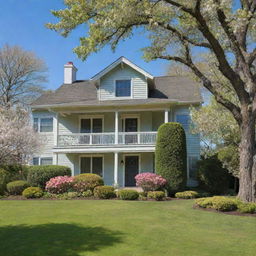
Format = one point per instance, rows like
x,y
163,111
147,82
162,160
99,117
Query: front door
x,y
131,170
131,126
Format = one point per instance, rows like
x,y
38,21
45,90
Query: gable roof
x,y
167,89
116,63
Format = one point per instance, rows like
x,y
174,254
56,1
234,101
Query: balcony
x,y
107,139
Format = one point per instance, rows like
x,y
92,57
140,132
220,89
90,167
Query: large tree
x,y
21,76
225,29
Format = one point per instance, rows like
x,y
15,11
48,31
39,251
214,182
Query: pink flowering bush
x,y
150,181
59,184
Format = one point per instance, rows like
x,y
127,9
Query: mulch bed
x,y
236,213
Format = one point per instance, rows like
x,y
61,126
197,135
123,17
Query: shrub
x,y
246,207
104,192
4,179
17,187
16,171
171,156
212,176
157,195
150,181
59,184
219,203
87,193
33,192
128,194
187,194
87,181
39,175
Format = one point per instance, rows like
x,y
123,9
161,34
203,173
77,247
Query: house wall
x,y
122,71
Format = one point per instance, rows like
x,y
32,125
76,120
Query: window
x,y
92,165
46,124
184,120
123,88
35,160
35,124
46,161
192,165
93,125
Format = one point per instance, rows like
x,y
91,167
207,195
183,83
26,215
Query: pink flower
x,y
150,181
59,184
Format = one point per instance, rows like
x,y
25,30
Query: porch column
x,y
55,129
166,116
115,168
55,158
116,127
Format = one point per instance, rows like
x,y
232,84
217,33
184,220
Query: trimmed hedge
x,y
33,192
4,179
212,176
16,172
40,174
104,192
157,195
187,194
171,156
16,187
87,181
128,194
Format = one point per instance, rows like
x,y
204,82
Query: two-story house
x,y
108,124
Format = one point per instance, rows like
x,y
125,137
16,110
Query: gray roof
x,y
167,89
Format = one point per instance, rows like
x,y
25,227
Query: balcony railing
x,y
124,138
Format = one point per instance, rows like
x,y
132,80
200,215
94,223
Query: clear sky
x,y
22,23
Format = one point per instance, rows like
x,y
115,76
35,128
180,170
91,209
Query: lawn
x,y
123,228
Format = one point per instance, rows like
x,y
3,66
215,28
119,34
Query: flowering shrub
x,y
87,181
150,181
59,184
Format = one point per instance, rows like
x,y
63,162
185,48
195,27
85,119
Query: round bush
x,y
157,195
171,156
4,179
39,175
87,193
187,194
17,187
212,176
246,207
128,194
150,181
59,184
33,192
87,181
104,192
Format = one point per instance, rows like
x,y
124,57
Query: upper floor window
x,y
43,124
123,88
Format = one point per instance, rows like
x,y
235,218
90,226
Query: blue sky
x,y
22,23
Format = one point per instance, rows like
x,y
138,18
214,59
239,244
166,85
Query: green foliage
x,y
219,203
87,181
104,192
39,175
212,176
157,195
16,187
16,172
128,194
187,194
33,192
171,156
246,207
4,179
87,193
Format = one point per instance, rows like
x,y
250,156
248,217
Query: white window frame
x,y
128,116
124,97
91,156
91,117
39,123
40,159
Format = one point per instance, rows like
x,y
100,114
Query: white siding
x,y
107,83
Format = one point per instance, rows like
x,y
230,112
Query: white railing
x,y
124,138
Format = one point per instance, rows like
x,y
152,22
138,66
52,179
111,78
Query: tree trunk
x,y
247,179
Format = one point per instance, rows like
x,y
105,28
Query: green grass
x,y
123,228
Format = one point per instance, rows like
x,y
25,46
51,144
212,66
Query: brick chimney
x,y
69,73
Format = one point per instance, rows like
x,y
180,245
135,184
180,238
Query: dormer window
x,y
123,88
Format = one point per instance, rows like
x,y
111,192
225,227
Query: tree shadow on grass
x,y
55,239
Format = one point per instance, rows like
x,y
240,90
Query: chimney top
x,y
69,73
70,63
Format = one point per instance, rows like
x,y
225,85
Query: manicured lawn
x,y
72,228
